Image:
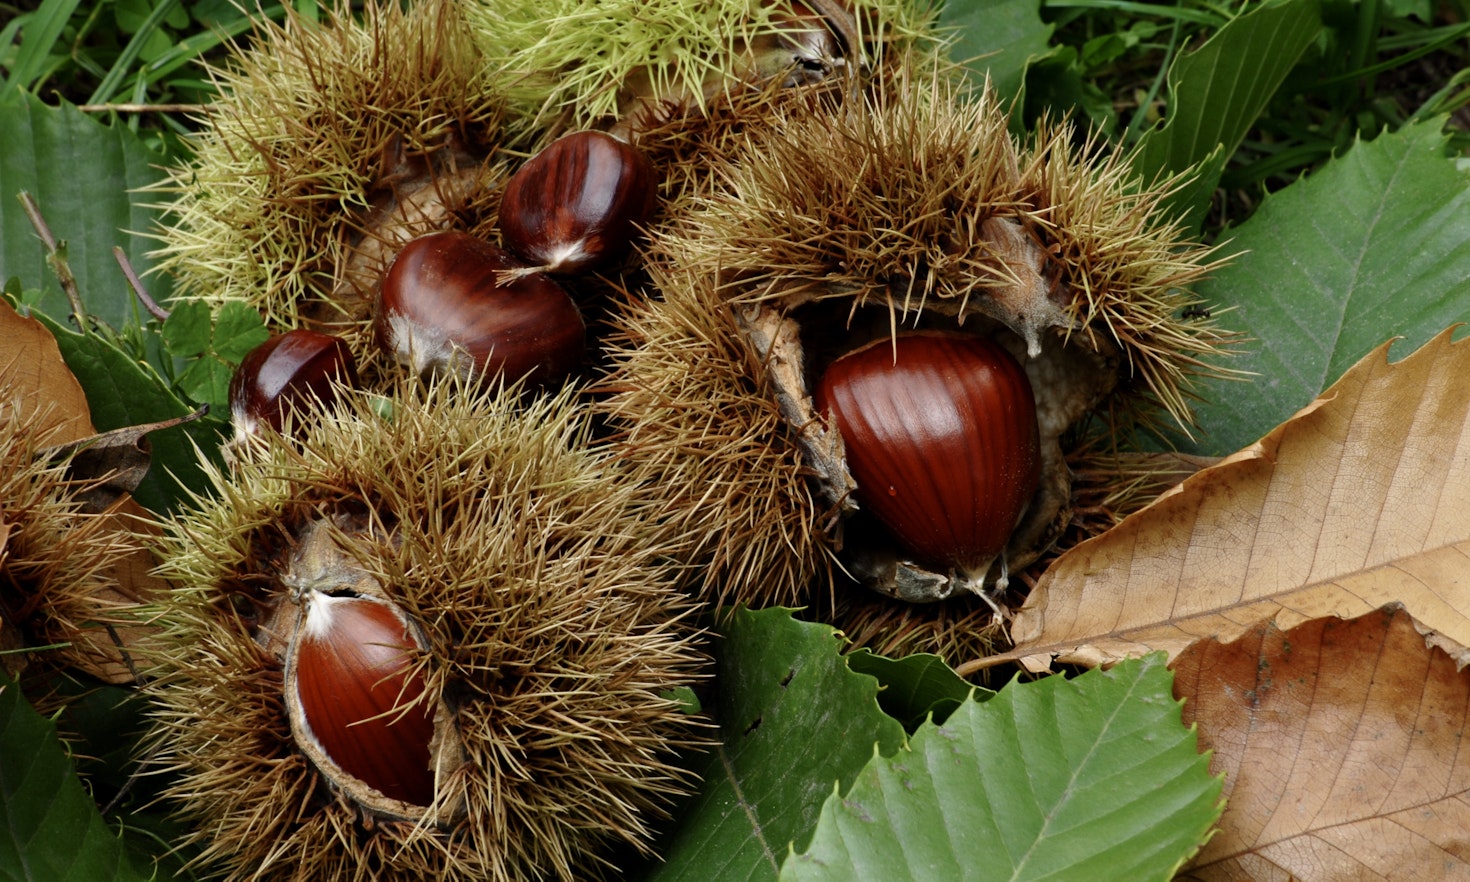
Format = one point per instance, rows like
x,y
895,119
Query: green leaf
x,y
238,329
793,719
1217,91
49,829
1374,244
217,343
121,392
80,173
41,35
188,330
1095,778
998,38
207,380
915,686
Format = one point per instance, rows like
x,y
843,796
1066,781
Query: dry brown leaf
x,y
36,384
1342,748
1360,500
39,390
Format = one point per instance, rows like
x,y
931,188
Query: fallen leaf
x,y
1343,748
39,391
36,381
112,464
1360,500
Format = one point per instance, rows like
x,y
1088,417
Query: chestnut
x,y
578,204
941,438
354,691
282,373
445,306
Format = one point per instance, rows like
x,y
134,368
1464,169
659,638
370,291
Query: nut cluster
x,y
381,632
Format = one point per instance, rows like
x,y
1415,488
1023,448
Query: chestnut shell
x,y
284,372
579,204
443,307
360,698
941,436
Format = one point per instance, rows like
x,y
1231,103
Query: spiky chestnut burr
x,y
62,557
911,207
577,205
667,57
330,145
531,572
447,306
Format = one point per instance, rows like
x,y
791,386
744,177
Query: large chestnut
x,y
445,305
578,204
353,691
285,371
941,437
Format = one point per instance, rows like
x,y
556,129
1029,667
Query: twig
x,y
141,108
56,257
136,284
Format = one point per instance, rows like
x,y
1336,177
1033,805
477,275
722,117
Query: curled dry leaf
x,y
1359,500
35,383
1341,746
110,465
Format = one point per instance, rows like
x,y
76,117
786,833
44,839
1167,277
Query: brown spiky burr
x,y
330,145
505,578
847,224
73,556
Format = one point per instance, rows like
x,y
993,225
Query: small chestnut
x,y
442,307
355,693
578,204
282,373
941,437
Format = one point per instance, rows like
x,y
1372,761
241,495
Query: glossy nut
x,y
578,204
442,308
283,373
359,697
941,437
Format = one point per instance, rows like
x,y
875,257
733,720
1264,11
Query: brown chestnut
x,y
578,204
282,373
941,437
442,307
354,691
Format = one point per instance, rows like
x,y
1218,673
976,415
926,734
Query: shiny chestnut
x,y
355,694
283,373
579,204
941,437
446,305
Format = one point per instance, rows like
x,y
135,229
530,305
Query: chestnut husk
x,y
534,566
833,226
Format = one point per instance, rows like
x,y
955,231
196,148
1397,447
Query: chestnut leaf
x,y
997,39
1093,778
1342,749
49,828
1374,244
1217,91
82,174
915,687
794,720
